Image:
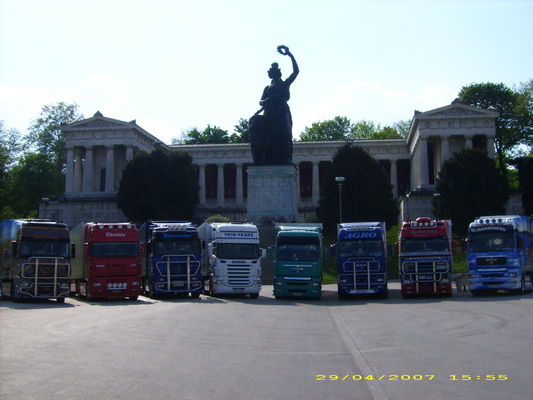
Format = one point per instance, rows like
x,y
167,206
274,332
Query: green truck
x,y
298,257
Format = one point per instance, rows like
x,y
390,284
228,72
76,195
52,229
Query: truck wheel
x,y
478,292
342,296
254,295
133,298
522,289
383,295
195,295
60,299
14,298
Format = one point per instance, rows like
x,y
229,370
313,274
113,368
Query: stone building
x,y
99,147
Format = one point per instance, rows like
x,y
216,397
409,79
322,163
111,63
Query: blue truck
x,y
500,254
361,259
171,265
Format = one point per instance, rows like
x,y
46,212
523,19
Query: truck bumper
x,y
289,287
349,290
176,287
426,288
111,287
494,284
26,288
224,289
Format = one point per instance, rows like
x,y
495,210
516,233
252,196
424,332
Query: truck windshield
x,y
44,249
116,249
169,247
361,248
298,252
243,251
490,241
425,245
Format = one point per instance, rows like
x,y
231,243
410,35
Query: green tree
x,y
45,133
366,191
210,135
159,185
241,132
11,147
337,128
33,178
402,127
364,129
470,185
514,124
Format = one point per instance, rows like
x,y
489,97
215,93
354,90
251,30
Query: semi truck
x,y
298,259
426,257
171,265
500,254
231,258
34,259
107,260
361,254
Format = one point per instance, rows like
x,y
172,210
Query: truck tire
x,y
133,298
195,295
254,295
60,299
14,298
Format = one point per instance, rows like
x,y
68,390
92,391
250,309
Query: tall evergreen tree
x,y
159,185
366,191
470,185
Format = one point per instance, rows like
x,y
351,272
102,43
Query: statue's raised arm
x,y
295,70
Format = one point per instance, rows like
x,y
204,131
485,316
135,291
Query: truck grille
x,y
46,267
238,275
360,266
425,267
492,260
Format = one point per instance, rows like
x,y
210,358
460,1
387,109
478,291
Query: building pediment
x,y
457,110
98,122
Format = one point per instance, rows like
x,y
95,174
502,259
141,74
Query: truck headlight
x,y
278,283
512,275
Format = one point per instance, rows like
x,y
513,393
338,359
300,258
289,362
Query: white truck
x,y
231,259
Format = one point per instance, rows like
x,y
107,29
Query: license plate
x,y
238,290
362,291
178,283
425,277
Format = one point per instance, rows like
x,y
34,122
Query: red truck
x,y
426,257
107,260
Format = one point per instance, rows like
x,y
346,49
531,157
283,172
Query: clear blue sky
x,y
174,65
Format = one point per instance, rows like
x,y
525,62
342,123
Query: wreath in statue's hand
x,y
283,50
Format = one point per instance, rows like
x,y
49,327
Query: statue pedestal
x,y
272,193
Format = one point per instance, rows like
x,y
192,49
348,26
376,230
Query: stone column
x,y
444,149
490,147
315,193
201,182
69,175
77,171
220,184
468,142
394,177
298,197
88,171
129,153
110,170
238,184
423,165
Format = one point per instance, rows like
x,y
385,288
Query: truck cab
x,y
425,256
361,259
500,254
232,258
171,265
298,259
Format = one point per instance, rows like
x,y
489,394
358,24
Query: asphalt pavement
x,y
459,347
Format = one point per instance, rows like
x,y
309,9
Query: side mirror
x,y
86,249
397,246
72,250
147,248
453,244
262,253
14,249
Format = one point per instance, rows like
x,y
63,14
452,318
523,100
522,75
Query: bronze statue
x,y
271,133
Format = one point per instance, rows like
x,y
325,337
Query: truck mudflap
x,y
43,278
178,274
291,286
